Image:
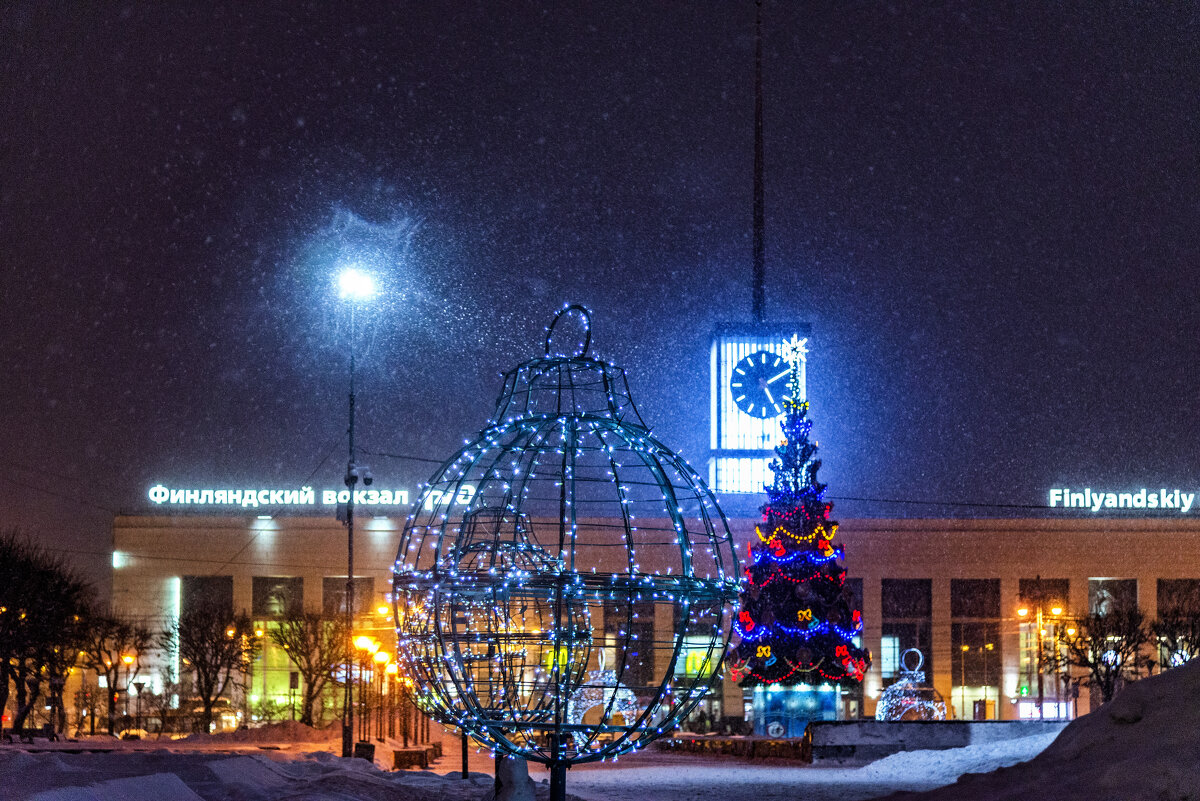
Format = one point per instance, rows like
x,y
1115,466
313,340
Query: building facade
x,y
970,595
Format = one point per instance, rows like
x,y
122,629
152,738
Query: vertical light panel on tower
x,y
748,380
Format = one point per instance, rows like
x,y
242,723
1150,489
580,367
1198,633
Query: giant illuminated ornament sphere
x,y
562,585
909,698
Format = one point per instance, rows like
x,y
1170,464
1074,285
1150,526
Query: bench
x,y
408,758
45,731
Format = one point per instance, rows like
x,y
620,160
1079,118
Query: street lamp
x,y
141,685
392,672
986,676
1055,611
368,646
355,287
381,663
128,660
962,689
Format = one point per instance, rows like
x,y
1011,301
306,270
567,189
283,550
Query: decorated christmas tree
x,y
797,619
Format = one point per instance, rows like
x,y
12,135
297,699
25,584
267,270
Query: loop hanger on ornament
x,y
904,660
585,318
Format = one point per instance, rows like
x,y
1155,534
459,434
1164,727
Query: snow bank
x,y
287,732
136,788
1141,745
190,775
946,765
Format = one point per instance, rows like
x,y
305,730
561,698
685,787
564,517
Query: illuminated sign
x,y
1095,501
305,496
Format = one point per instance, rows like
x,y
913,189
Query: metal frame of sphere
x,y
523,609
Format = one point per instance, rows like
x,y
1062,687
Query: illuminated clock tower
x,y
749,374
749,377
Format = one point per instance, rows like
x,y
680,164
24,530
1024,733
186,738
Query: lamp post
x,y
392,673
986,676
355,287
127,659
140,685
1055,610
367,646
962,689
382,658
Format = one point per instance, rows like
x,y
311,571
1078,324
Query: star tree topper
x,y
795,349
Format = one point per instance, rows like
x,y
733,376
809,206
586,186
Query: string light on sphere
x,y
532,614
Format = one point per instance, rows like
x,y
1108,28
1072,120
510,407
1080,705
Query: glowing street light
x,y
128,659
355,287
354,284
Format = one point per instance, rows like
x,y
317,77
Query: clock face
x,y
759,384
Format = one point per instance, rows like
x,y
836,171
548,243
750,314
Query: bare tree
x,y
1177,628
43,609
164,704
108,640
215,648
1109,648
317,645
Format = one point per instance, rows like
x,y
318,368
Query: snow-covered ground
x,y
1141,746
257,767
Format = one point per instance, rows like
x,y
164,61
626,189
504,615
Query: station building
x,y
971,595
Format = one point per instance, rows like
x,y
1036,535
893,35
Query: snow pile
x,y
287,732
1141,745
181,775
137,788
944,766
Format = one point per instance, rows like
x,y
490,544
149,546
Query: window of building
x,y
1177,596
975,657
1107,595
211,594
1178,606
975,598
333,595
907,623
1040,686
273,596
629,641
1047,591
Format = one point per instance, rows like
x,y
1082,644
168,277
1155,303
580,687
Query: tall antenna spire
x,y
760,300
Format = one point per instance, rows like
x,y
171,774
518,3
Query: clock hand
x,y
768,391
781,375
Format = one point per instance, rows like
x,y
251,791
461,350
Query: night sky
x,y
987,212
